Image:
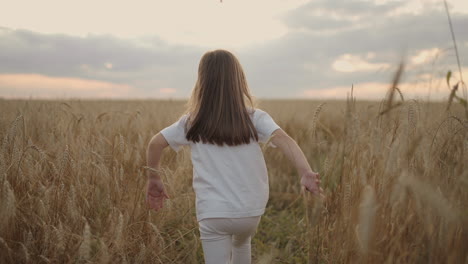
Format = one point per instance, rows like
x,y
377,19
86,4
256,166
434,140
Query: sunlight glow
x,y
354,63
425,56
41,86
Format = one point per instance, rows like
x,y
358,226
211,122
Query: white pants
x,y
227,240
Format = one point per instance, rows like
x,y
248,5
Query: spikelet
x,y
16,155
142,254
46,235
121,173
13,129
72,193
29,240
128,156
315,118
44,259
391,91
326,167
8,205
108,159
140,142
60,240
4,145
42,210
104,256
161,240
73,214
397,197
3,244
102,168
30,166
64,162
452,95
168,204
119,232
346,200
21,177
30,143
121,144
55,171
123,259
61,192
24,253
269,257
365,227
85,247
2,168
393,158
431,198
411,115
137,158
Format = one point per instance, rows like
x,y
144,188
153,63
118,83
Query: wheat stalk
x,y
315,118
4,244
64,161
431,198
391,91
121,144
365,226
85,248
119,232
24,253
60,240
104,253
141,257
423,213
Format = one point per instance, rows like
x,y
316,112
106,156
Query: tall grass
x,y
72,185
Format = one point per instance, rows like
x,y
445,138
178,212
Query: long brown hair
x,y
217,109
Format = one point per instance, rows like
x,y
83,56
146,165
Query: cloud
x,y
40,86
355,63
425,87
369,90
99,57
328,45
167,90
423,56
304,59
208,23
323,15
376,91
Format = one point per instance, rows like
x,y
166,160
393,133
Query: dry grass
x,y
72,185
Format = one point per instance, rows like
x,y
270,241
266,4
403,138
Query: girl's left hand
x,y
156,194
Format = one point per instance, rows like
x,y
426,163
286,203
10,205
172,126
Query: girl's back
x,y
229,181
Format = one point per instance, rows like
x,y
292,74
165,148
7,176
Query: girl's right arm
x,y
155,191
309,179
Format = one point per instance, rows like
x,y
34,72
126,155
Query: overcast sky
x,y
288,48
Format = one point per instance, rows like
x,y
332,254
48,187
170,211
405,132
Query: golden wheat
x,y
367,211
72,184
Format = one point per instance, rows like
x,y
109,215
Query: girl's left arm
x,y
155,191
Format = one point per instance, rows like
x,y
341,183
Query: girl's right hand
x,y
156,194
311,181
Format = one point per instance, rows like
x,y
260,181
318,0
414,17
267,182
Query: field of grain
x,y
72,184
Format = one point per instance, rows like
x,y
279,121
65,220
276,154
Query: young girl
x,y
230,180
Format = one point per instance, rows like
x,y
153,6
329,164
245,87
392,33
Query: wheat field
x,y
72,184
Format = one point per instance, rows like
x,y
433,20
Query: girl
x,y
223,130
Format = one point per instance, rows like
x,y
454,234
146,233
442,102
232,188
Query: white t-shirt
x,y
229,181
